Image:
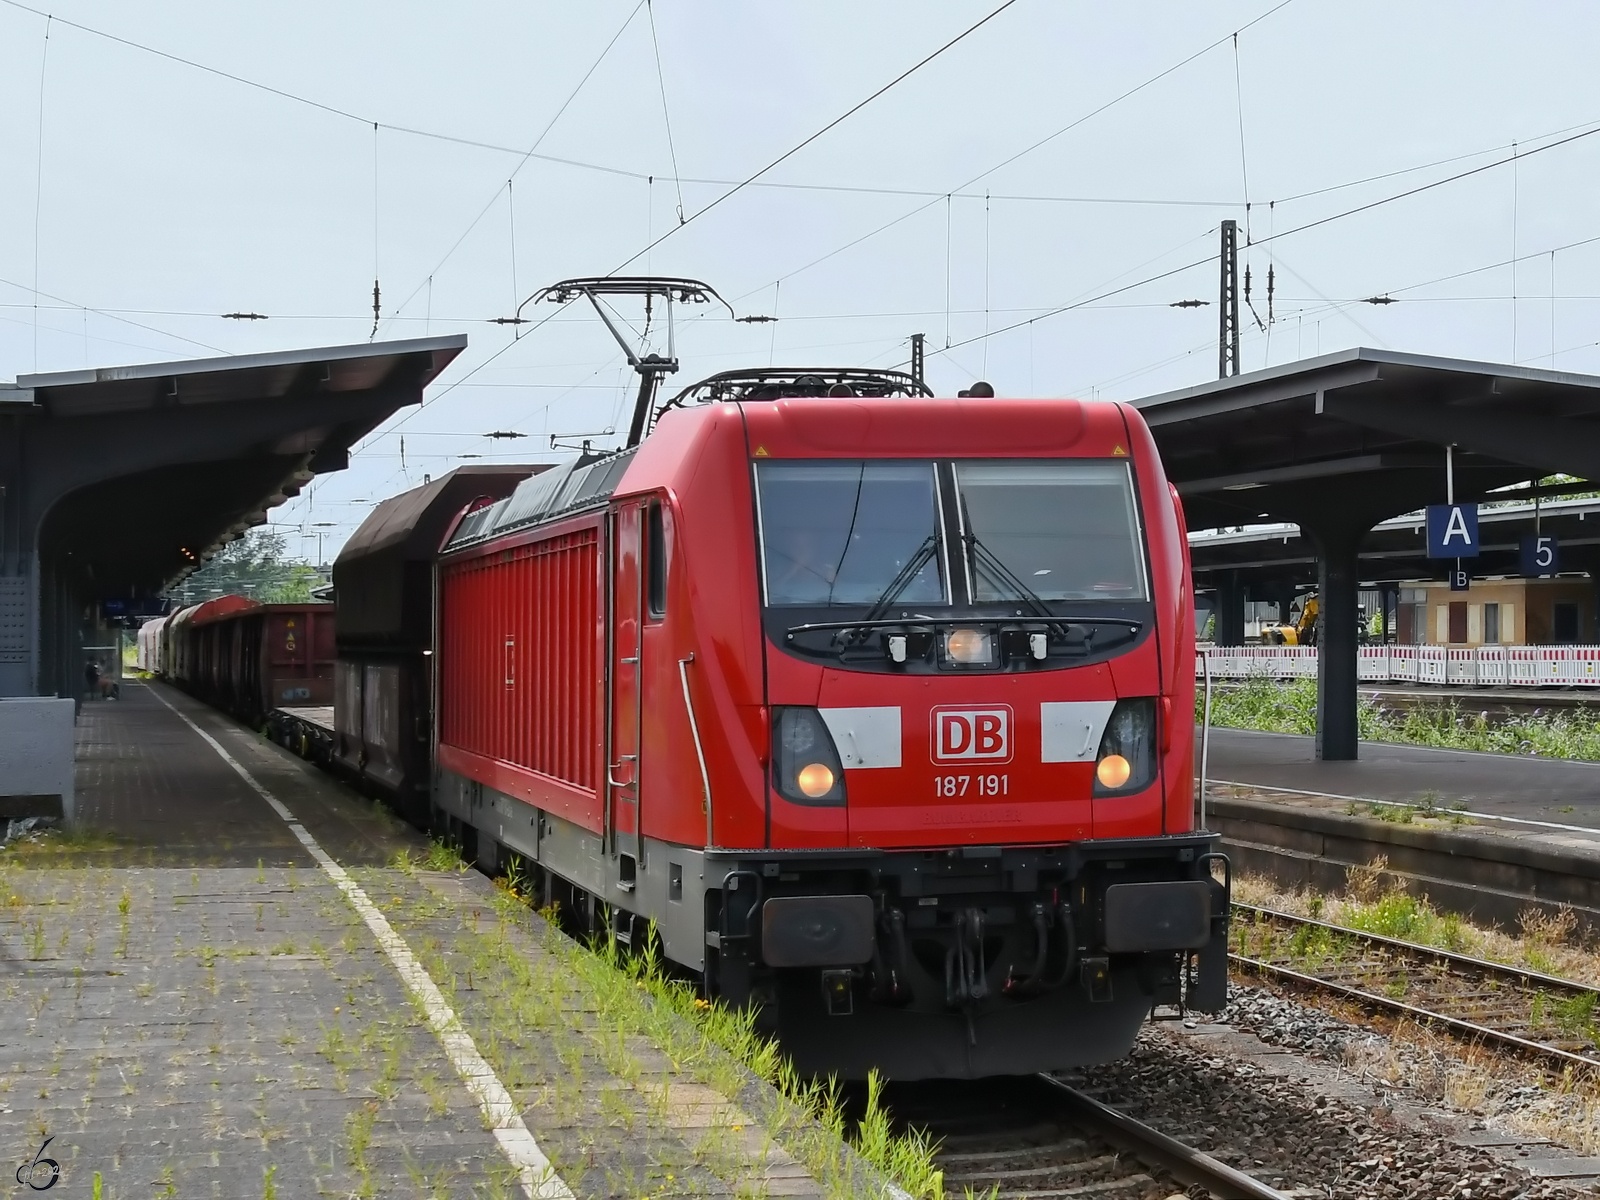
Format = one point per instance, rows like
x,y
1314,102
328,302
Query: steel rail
x,y
1471,1029
1156,1149
1480,965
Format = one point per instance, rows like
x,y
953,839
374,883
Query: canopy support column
x,y
1338,728
1230,609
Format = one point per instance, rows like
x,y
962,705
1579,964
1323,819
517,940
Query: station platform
x,y
1494,701
154,794
235,978
1560,792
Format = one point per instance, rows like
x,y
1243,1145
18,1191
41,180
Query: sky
x,y
1035,198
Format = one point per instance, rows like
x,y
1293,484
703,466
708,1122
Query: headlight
x,y
805,764
1113,771
971,647
1126,762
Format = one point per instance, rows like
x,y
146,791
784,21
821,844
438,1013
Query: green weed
x,y
627,995
907,1157
442,856
1290,706
1395,813
1399,915
1311,942
1575,1014
358,1138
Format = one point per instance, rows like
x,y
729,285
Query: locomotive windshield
x,y
842,532
1062,529
867,533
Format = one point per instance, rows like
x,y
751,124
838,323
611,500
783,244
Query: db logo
x,y
972,734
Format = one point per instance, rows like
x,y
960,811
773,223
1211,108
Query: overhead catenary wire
x,y
666,112
526,156
111,313
986,285
475,142
377,294
947,218
760,183
1513,252
511,220
1309,225
833,124
478,143
1044,141
1428,187
1437,162
454,384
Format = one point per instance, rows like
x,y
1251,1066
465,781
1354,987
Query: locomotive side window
x,y
1063,529
655,561
840,532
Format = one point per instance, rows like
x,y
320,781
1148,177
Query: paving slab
x,y
196,1004
1559,791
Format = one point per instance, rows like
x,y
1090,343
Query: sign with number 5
x,y
1540,555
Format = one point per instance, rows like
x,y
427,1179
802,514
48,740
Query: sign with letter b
x,y
1452,531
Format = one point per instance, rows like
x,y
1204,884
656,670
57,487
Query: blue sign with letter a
x,y
1452,531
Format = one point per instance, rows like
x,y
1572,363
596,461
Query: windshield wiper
x,y
988,561
897,585
872,618
983,557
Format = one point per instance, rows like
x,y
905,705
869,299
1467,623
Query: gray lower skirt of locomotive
x,y
671,892
1068,1026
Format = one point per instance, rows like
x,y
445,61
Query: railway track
x,y
1040,1138
1539,1016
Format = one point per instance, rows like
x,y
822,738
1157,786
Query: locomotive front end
x,y
978,642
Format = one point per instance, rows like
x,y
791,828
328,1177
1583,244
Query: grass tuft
x,y
1290,706
632,994
442,856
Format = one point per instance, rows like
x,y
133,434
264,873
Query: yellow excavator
x,y
1301,632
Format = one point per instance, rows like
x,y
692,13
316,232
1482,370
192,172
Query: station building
x,y
1497,612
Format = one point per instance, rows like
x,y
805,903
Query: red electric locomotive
x,y
877,706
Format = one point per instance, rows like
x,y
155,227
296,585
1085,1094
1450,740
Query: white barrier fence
x,y
1486,666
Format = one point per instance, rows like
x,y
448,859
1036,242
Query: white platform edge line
x,y
1465,812
539,1179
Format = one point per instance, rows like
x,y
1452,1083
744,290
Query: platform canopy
x,y
119,480
1340,442
1274,559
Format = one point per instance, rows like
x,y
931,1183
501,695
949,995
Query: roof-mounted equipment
x,y
778,383
650,367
